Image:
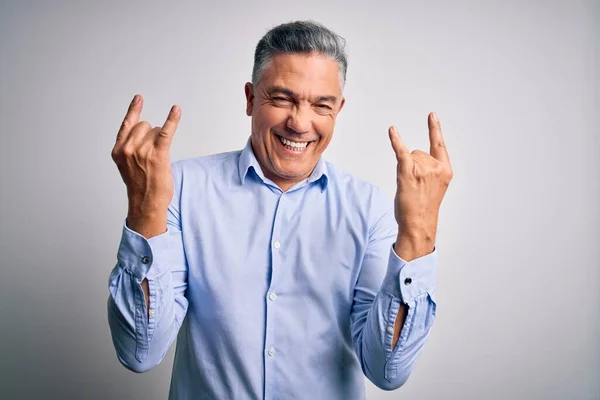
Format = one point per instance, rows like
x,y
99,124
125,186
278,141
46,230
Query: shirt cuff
x,y
408,280
138,254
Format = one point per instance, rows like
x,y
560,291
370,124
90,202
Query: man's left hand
x,y
422,180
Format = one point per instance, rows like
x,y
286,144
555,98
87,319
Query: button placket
x,y
276,247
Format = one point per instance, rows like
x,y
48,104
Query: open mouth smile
x,y
293,146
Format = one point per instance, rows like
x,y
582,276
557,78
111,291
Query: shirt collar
x,y
248,160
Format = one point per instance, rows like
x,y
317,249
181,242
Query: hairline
x,y
265,66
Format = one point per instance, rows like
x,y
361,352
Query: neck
x,y
282,183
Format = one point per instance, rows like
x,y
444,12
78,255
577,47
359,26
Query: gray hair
x,y
300,37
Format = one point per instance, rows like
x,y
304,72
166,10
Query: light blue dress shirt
x,y
271,295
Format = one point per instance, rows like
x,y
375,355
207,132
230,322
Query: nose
x,y
299,120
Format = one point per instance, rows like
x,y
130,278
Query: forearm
x,y
146,305
146,218
141,336
390,331
149,221
409,246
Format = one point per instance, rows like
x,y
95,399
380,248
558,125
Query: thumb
x,y
398,145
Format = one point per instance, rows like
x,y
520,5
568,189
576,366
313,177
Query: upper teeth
x,y
296,145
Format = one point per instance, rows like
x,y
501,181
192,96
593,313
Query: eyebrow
x,y
283,90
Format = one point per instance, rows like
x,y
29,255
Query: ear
x,y
342,104
249,89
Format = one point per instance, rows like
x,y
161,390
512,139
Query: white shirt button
x,y
390,330
271,352
283,197
151,313
277,244
272,296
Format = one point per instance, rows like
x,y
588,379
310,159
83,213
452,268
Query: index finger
x,y
131,118
437,146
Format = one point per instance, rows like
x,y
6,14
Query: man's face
x,y
293,109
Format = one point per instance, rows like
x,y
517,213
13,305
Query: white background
x,y
515,84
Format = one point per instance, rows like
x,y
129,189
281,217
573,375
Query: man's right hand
x,y
141,153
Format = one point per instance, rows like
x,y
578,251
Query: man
x,y
280,275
